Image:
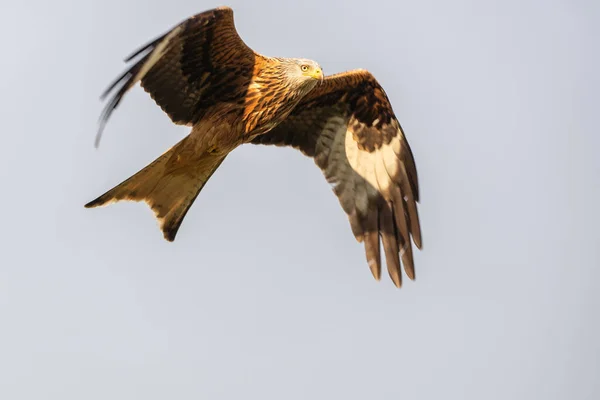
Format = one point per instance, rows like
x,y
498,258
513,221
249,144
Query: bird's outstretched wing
x,y
200,62
348,126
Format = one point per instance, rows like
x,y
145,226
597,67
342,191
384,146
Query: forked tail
x,y
169,185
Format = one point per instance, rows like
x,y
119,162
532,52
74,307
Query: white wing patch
x,y
379,167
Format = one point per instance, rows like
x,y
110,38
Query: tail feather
x,y
169,185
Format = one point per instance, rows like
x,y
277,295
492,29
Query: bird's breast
x,y
266,109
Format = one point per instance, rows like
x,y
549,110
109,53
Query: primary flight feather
x,y
204,76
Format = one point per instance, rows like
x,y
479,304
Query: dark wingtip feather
x,y
106,113
418,240
415,224
115,82
98,136
148,46
389,238
372,244
111,105
411,169
123,83
373,253
408,261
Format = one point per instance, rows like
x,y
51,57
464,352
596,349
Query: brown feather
x,y
390,243
372,244
378,168
169,185
203,75
198,64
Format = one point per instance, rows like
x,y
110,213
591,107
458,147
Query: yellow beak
x,y
317,74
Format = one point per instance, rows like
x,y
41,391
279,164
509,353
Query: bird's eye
x,y
304,68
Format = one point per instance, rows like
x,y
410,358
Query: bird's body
x,y
203,75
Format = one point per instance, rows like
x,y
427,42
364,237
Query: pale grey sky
x,y
265,294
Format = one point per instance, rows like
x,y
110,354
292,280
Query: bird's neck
x,y
269,101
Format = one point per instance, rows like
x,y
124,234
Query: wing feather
x,y
198,63
348,126
372,244
390,243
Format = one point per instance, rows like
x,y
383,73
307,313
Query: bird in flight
x,y
204,76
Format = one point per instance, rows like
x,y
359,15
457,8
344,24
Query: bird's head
x,y
304,72
310,69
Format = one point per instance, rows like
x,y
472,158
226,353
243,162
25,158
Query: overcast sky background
x,y
265,294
